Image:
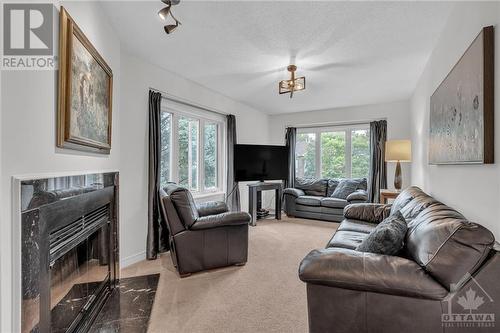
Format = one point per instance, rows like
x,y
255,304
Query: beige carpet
x,y
265,295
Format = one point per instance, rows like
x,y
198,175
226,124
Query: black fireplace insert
x,y
69,252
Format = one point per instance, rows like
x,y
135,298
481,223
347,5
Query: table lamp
x,y
398,151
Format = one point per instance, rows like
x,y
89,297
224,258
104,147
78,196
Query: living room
x,y
240,166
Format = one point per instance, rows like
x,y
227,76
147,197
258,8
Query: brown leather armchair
x,y
205,236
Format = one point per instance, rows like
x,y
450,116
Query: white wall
x,y
396,114
28,133
474,190
2,221
137,77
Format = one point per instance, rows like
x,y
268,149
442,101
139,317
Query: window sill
x,y
208,195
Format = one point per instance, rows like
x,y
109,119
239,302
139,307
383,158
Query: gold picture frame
x,y
84,115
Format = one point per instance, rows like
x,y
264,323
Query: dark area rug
x,y
129,306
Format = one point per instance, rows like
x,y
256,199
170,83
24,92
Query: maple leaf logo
x,y
470,301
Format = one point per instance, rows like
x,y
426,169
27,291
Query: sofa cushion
x,y
356,225
311,209
345,187
414,207
405,197
333,203
184,204
309,200
369,212
347,239
211,208
315,187
387,237
333,211
358,196
293,192
375,273
447,245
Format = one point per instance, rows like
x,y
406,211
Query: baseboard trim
x,y
130,260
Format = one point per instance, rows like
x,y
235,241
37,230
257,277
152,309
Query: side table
x,y
254,198
386,194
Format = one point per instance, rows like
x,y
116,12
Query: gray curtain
x,y
378,169
157,240
290,140
233,192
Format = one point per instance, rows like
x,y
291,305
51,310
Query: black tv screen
x,y
259,162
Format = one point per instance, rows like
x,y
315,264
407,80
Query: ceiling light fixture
x,y
292,85
165,12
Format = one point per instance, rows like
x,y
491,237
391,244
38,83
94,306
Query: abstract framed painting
x,y
85,92
462,108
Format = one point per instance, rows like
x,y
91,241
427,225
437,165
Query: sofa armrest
x,y
358,196
293,191
374,213
350,269
211,208
221,220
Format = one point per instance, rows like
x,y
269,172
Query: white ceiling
x,y
352,53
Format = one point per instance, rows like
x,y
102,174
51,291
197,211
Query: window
x,y
210,155
360,153
305,162
165,149
188,152
333,152
333,159
191,146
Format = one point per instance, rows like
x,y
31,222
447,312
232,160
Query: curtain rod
x,y
339,123
180,100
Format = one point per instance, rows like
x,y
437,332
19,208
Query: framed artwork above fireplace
x,y
85,92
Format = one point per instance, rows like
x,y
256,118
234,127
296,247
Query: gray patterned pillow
x,y
332,185
362,183
387,237
344,188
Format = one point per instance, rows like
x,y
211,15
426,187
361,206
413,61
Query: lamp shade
x,y
398,150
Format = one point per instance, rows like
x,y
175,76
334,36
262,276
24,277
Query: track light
x,y
165,12
170,28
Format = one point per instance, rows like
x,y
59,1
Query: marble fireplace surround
x,y
43,195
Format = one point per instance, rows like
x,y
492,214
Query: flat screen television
x,y
259,163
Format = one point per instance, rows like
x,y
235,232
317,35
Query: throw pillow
x,y
332,185
344,188
362,183
387,237
310,186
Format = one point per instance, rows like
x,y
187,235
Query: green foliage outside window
x,y
360,154
165,147
333,155
210,155
306,155
188,131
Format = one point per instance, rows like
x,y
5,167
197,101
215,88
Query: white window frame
x,y
203,117
348,129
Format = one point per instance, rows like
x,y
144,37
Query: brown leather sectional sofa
x,y
447,278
